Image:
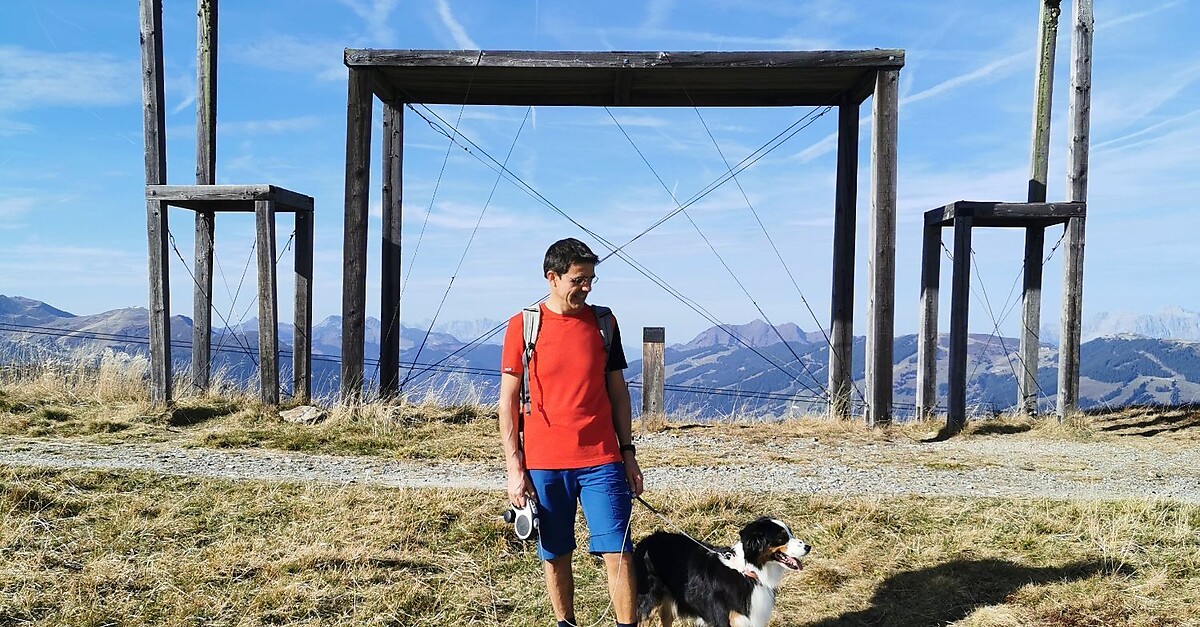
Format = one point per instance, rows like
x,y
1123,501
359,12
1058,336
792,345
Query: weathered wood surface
x,y
841,315
390,277
623,79
1028,389
891,59
1035,236
1080,110
302,312
881,269
1006,214
927,333
206,174
205,242
154,130
268,304
359,103
654,341
960,301
229,197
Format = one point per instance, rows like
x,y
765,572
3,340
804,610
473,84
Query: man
x,y
574,445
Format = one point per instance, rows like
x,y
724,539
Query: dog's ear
x,y
755,541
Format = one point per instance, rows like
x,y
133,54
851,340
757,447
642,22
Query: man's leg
x,y
622,586
561,583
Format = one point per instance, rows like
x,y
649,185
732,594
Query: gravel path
x,y
964,467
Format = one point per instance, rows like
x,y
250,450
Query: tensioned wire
x,y
467,248
335,359
515,179
732,274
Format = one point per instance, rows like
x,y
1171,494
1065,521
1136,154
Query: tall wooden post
x,y
206,173
960,300
268,303
881,269
1077,178
154,130
927,336
1035,236
302,314
390,279
841,315
654,341
359,102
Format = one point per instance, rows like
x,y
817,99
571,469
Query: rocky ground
x,y
992,466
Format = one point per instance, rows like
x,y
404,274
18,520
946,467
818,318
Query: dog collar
x,y
751,575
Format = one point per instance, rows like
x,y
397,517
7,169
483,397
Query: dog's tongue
x,y
789,561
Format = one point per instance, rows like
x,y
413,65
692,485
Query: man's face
x,y
574,286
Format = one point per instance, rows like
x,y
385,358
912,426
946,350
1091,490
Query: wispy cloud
x,y
33,78
457,32
992,71
1104,24
320,58
657,12
269,127
376,13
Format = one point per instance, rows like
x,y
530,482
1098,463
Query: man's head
x,y
570,269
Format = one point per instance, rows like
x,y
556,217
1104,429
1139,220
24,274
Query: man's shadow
x,y
950,592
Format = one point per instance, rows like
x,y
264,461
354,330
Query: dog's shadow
x,y
949,592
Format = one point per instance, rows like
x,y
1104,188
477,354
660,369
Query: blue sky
x,y
72,220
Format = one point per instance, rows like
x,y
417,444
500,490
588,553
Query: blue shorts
x,y
607,503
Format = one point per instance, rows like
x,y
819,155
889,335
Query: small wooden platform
x,y
229,197
1006,214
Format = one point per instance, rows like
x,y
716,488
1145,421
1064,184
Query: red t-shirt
x,y
570,421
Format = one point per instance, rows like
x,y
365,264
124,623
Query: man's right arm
x,y
510,439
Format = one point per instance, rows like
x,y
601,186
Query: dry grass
x,y
98,548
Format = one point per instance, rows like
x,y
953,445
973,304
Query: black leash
x,y
685,534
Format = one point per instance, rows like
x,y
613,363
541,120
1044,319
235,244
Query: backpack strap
x,y
531,321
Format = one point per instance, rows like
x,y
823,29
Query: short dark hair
x,y
565,252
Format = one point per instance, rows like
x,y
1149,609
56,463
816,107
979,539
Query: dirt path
x,y
969,467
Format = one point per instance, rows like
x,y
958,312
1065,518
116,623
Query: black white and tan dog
x,y
712,585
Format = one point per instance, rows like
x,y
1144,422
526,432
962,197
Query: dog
x,y
716,586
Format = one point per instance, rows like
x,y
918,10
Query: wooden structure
x,y
206,200
1033,216
843,79
963,216
654,372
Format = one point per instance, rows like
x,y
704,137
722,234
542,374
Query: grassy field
x,y
109,548
101,548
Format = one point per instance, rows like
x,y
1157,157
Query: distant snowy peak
x,y
757,333
1172,323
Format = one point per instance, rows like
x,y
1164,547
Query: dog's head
x,y
769,541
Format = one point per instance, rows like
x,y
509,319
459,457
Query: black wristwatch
x,y
628,448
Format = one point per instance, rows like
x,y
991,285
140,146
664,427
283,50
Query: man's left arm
x,y
618,395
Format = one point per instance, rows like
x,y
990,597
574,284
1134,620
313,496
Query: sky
x,y
72,216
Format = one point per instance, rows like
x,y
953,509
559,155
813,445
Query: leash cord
x,y
679,529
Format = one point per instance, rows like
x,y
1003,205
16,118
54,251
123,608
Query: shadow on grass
x,y
188,416
949,592
1148,420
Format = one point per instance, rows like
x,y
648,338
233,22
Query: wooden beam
x,y
390,279
960,301
229,197
1080,111
268,304
654,341
359,102
1035,236
302,313
927,335
206,168
1015,214
154,132
841,315
887,59
1028,389
205,243
881,268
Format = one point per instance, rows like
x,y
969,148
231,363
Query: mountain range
x,y
764,371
